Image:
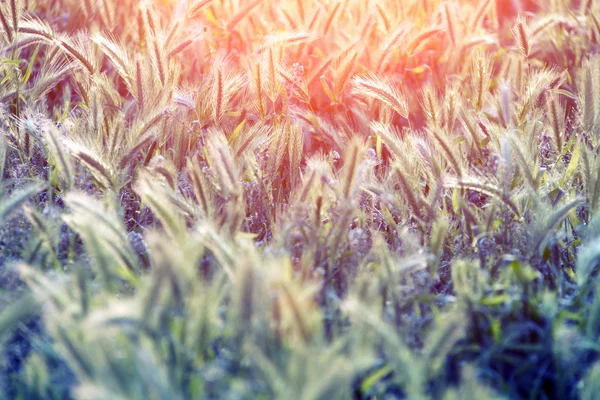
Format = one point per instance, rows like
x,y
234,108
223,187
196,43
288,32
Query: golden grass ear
x,y
521,36
377,87
481,74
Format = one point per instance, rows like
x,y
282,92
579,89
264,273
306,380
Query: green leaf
x,y
30,66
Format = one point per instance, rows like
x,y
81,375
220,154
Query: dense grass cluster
x,y
301,199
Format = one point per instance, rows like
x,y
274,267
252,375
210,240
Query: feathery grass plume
x,y
277,148
218,97
344,67
521,36
389,136
392,42
439,231
32,26
53,141
524,157
119,57
447,151
202,189
538,82
9,205
451,109
469,123
295,151
480,12
352,159
140,78
159,197
331,18
273,86
545,23
545,226
420,40
104,236
78,48
225,171
486,188
591,178
555,113
251,141
450,24
283,39
380,88
48,238
431,107
481,73
225,86
586,98
241,14
413,197
8,30
100,170
256,86
16,9
159,59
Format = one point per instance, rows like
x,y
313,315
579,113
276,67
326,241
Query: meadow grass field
x,y
299,199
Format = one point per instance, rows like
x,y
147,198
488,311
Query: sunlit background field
x,y
301,199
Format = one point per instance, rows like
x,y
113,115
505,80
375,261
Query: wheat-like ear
x,y
8,205
273,86
482,8
389,136
392,43
556,114
331,18
225,171
450,24
344,67
480,79
16,10
352,158
251,141
140,78
486,188
413,197
256,86
586,99
8,30
420,39
281,40
447,151
202,189
224,87
79,49
550,221
242,13
431,107
104,236
99,169
117,54
55,146
295,151
521,36
382,89
277,149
